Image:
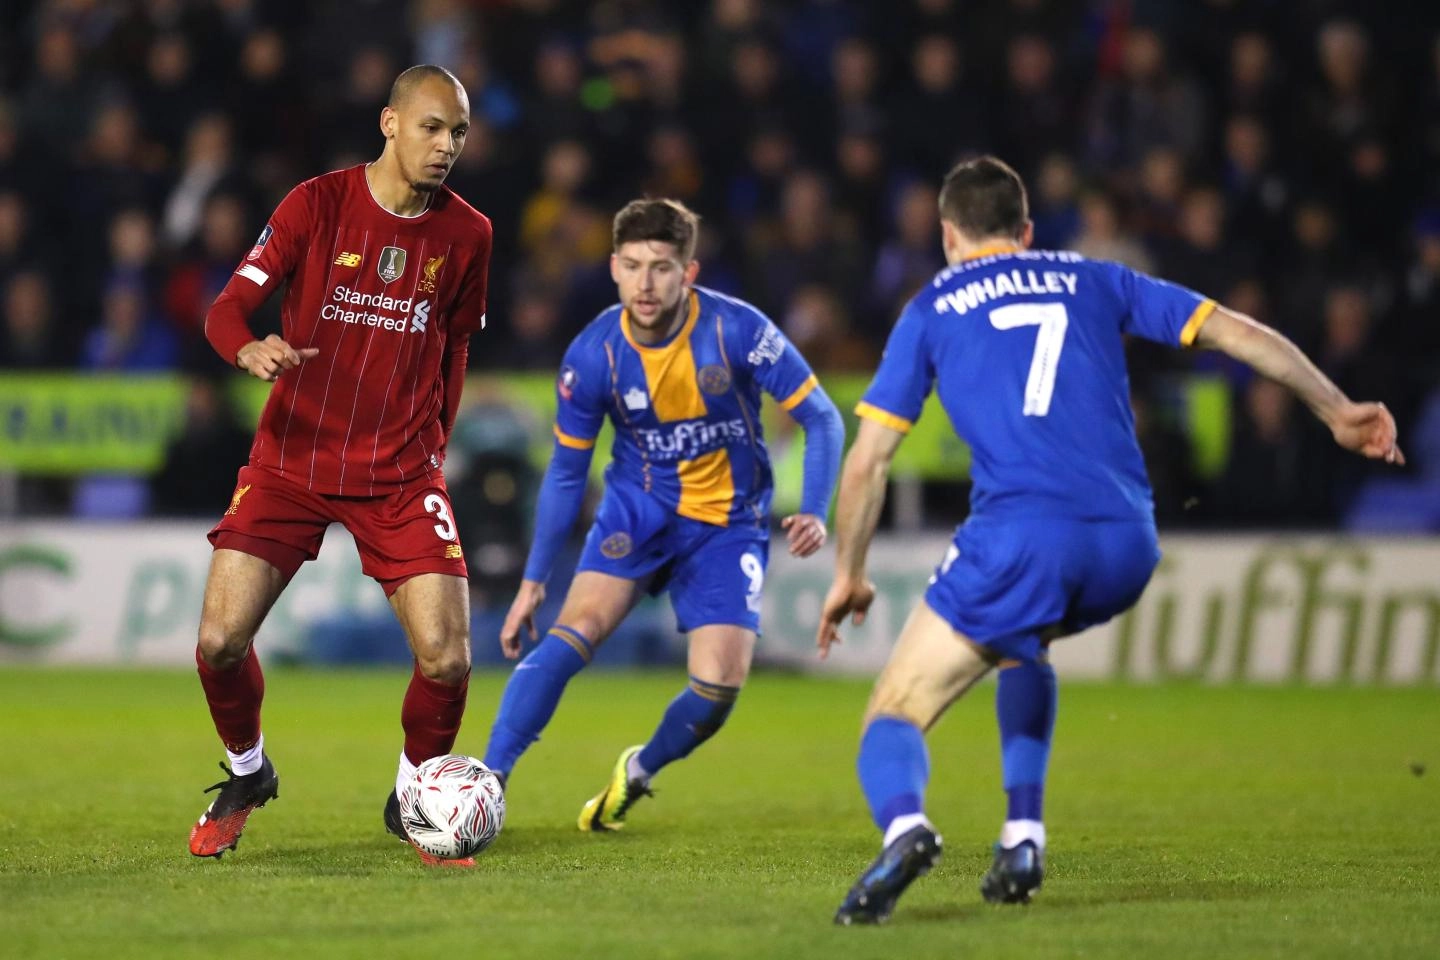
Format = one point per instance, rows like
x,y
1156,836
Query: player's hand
x,y
804,532
268,358
1369,430
522,614
846,598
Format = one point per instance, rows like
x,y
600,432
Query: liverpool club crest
x,y
391,264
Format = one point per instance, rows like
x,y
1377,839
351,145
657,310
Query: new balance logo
x,y
348,260
421,317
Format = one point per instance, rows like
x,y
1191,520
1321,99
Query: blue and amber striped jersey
x,y
1027,352
687,411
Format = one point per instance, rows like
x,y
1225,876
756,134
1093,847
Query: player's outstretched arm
x,y
1364,428
267,359
824,440
522,615
857,514
556,510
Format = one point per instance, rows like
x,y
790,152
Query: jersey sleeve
x,y
580,393
283,241
276,252
1159,310
470,305
773,361
903,380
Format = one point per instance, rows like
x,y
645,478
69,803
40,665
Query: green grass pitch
x,y
1185,821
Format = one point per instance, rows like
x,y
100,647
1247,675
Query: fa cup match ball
x,y
454,807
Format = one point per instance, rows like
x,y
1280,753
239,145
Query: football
x,y
454,807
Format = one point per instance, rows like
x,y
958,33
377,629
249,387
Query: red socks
x,y
234,696
431,716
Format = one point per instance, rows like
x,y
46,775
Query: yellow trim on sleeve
x,y
1191,330
801,392
883,417
574,443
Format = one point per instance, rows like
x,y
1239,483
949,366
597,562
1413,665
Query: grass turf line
x,y
1185,821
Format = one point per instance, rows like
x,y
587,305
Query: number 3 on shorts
x,y
436,504
750,566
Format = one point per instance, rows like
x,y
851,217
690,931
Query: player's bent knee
x,y
587,624
909,703
222,648
901,710
447,664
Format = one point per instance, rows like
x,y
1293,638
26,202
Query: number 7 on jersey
x,y
1052,320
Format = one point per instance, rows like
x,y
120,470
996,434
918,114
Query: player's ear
x,y
614,268
389,120
1027,235
692,270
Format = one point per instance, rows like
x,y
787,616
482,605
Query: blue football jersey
x,y
1026,349
686,412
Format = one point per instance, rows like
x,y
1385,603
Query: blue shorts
x,y
1005,581
714,575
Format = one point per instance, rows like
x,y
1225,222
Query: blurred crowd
x,y
1282,156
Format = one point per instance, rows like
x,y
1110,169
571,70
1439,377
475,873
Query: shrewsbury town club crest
x,y
391,265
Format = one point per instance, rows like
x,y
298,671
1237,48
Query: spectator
x,y
172,97
1150,105
862,185
1270,478
554,111
1035,115
15,240
199,277
909,260
939,118
808,243
200,464
1055,208
131,337
1257,194
537,336
1254,83
855,72
1162,187
817,323
1103,237
1201,256
30,340
209,162
59,98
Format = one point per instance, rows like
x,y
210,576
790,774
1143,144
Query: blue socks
x,y
532,694
690,720
894,768
1025,704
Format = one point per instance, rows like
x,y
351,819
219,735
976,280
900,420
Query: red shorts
x,y
399,536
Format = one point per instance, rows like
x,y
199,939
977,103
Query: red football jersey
x,y
390,302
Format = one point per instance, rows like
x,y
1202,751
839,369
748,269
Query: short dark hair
x,y
666,221
985,197
412,77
